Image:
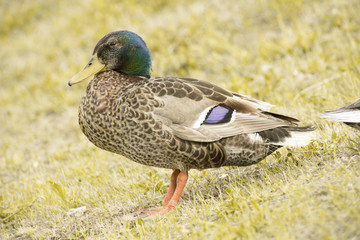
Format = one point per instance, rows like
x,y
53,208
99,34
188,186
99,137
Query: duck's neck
x,y
112,80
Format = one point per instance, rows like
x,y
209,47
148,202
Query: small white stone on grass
x,y
77,212
224,175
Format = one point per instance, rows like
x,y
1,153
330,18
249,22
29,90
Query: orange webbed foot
x,y
177,185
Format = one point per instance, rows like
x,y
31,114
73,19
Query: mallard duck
x,y
349,114
173,122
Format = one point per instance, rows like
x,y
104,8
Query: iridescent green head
x,y
121,51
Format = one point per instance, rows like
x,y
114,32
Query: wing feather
x,y
185,113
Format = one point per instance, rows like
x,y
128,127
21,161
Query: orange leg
x,y
177,185
172,187
180,185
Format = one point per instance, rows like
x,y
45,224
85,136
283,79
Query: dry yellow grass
x,y
302,56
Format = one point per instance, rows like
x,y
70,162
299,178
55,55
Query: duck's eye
x,y
113,43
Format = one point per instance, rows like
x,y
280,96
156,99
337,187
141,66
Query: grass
x,y
302,56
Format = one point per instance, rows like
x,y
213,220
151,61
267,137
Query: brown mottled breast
x,y
117,114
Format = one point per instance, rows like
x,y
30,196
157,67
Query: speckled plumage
x,y
117,114
118,118
173,122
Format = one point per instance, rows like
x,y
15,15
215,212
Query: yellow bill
x,y
93,67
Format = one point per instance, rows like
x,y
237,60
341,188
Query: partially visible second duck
x,y
173,122
349,114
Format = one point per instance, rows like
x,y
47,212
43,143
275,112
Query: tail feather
x,y
289,136
349,116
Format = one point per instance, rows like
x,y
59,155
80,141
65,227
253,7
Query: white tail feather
x,y
351,116
297,139
255,137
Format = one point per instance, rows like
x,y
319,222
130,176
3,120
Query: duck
x,y
349,114
177,123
